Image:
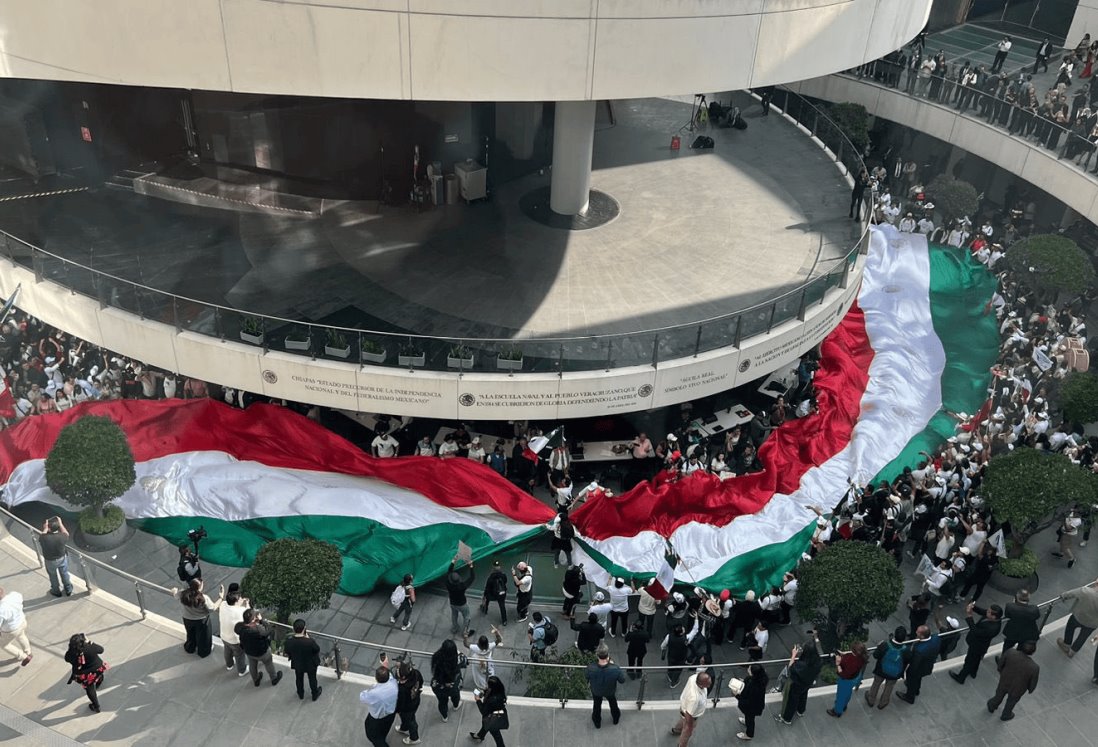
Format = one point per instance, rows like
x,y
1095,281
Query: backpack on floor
x,y
702,142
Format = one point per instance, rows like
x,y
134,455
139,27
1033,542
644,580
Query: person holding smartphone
x,y
304,655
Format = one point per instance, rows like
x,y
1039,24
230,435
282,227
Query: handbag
x,y
496,720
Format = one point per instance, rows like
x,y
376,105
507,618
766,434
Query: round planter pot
x,y
102,542
1011,585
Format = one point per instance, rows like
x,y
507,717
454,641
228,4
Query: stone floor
x,y
701,233
155,694
366,619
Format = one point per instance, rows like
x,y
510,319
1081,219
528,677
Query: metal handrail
x,y
972,110
336,639
818,117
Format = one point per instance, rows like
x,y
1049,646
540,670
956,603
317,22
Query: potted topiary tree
x,y
846,586
460,357
1049,264
852,120
90,465
955,198
1078,397
1026,491
336,345
370,351
290,576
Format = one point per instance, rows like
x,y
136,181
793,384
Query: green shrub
x,y
1079,397
293,575
829,675
91,523
1023,566
954,197
853,121
90,464
848,585
559,683
1027,487
1048,263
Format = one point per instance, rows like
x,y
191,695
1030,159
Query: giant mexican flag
x,y
915,343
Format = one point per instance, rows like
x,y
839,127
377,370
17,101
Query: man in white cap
x,y
600,607
476,451
619,605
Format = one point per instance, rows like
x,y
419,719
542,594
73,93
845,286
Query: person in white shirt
x,y
424,447
448,449
476,451
601,608
229,614
907,223
559,460
789,596
692,704
771,606
385,446
1068,531
381,701
642,447
1001,54
718,465
692,465
13,626
619,605
926,225
890,213
996,255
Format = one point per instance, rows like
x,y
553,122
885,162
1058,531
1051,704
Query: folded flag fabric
x,y
253,475
879,386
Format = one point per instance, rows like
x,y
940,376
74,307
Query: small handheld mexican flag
x,y
661,585
540,443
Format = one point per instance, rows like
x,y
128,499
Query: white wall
x,y
467,50
1038,166
1085,21
395,391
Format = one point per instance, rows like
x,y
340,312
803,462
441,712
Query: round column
x,y
573,143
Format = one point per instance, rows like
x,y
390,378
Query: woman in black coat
x,y
493,710
804,667
87,667
752,699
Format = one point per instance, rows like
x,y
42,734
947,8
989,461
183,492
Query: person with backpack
x,y
495,590
542,634
403,597
409,687
891,659
189,568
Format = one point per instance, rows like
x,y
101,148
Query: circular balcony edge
x,y
362,387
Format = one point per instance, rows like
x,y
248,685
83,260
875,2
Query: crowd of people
x,y
1064,117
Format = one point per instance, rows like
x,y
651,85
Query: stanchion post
x,y
640,690
87,573
140,599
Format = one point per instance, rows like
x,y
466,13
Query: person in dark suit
x,y
1018,674
923,653
979,638
1021,621
304,655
